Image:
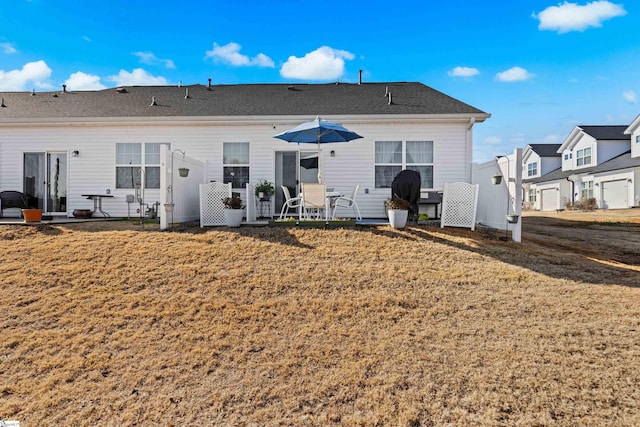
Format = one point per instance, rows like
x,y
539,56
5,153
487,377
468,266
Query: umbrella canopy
x,y
318,131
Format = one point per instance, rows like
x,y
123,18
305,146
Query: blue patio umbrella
x,y
318,131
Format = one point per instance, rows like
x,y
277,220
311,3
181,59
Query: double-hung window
x,y
532,196
637,139
134,158
391,157
532,169
583,157
235,159
586,190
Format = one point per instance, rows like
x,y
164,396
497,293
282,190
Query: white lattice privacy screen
x,y
459,205
211,206
251,202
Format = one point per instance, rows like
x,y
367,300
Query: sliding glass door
x,y
45,181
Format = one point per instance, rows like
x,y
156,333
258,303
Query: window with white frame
x,y
235,159
568,156
583,157
532,196
391,157
637,139
586,190
132,158
532,169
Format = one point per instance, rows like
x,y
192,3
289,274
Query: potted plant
x,y
398,211
264,189
233,210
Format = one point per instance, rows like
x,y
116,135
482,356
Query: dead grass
x,y
108,324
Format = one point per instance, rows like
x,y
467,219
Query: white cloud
x,y
150,59
493,140
230,54
518,138
36,73
630,96
551,139
324,63
463,72
84,81
514,74
574,17
137,77
8,48
87,39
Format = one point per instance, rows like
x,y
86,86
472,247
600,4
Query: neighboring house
x,y
537,161
57,146
597,162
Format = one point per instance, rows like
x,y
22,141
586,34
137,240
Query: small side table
x,y
263,207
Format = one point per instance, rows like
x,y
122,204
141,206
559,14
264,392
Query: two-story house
x,y
596,162
537,160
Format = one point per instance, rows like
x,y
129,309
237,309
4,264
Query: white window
x,y
583,157
568,156
637,139
391,157
532,196
532,169
235,159
586,190
132,158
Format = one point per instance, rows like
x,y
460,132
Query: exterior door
x,y
293,168
549,199
45,181
615,194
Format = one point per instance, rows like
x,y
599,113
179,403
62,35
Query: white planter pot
x,y
233,217
398,218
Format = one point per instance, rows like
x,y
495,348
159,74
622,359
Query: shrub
x,y
398,203
233,202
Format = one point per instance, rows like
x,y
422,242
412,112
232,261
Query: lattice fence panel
x,y
211,206
459,205
251,202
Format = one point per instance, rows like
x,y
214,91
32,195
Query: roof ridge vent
x,y
121,90
153,101
2,104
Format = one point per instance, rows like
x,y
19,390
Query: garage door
x,y
615,194
549,200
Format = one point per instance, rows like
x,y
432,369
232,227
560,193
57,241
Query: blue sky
x,y
538,67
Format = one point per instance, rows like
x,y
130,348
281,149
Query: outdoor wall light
x,y
333,153
75,153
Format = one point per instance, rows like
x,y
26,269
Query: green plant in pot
x,y
398,211
233,210
264,189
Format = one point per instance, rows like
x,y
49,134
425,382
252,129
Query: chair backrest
x,y
287,194
314,195
355,192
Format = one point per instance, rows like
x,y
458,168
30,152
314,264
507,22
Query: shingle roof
x,y
236,100
546,150
607,132
623,161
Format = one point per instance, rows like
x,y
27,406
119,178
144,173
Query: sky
x,y
539,67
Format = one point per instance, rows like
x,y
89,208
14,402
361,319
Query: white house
x,y
597,162
57,146
537,161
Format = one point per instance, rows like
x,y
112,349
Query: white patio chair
x,y
347,202
314,199
289,202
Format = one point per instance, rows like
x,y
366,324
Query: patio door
x,y
45,181
293,168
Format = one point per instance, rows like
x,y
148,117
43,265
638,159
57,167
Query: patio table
x,y
97,203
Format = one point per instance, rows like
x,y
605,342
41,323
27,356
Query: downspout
x,y
573,185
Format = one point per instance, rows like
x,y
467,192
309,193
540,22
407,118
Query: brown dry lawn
x,y
109,324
